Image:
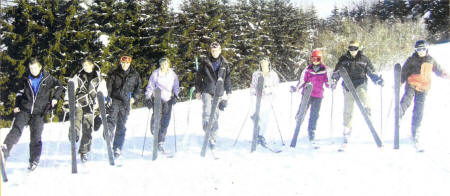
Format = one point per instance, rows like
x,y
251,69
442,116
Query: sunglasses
x,y
315,59
125,59
420,49
215,45
353,48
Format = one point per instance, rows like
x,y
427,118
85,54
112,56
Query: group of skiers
x,y
40,92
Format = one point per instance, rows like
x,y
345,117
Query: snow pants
x,y
315,104
166,111
117,119
36,122
84,122
207,106
349,103
419,103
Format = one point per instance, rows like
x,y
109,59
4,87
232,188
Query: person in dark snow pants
x,y
33,101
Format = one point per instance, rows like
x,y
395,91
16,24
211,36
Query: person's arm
x,y
176,86
227,80
438,70
137,88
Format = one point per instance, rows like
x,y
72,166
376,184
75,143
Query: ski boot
x,y
33,165
261,140
83,157
161,147
116,153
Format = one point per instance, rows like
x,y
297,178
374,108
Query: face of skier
x,y
165,65
215,52
125,62
421,51
88,66
316,60
35,68
353,50
264,65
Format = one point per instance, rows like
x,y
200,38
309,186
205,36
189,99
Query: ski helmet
x,y
316,56
420,44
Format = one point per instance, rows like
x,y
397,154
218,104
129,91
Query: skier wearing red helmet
x,y
316,74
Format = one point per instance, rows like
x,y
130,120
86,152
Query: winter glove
x,y
380,81
223,104
97,122
333,84
293,89
173,100
149,103
66,106
335,76
54,102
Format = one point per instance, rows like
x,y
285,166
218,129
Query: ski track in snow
x,y
363,169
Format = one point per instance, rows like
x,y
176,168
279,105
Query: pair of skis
x,y
107,133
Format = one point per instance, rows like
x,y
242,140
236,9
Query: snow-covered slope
x,y
363,169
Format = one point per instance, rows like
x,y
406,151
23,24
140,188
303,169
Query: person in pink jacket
x,y
316,74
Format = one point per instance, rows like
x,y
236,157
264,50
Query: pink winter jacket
x,y
317,79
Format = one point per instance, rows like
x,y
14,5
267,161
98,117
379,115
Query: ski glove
x,y
223,104
293,89
149,103
333,84
173,100
97,122
380,82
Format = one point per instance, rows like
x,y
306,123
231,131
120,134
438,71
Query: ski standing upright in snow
x,y
397,78
73,142
259,90
106,133
157,121
212,119
301,113
4,176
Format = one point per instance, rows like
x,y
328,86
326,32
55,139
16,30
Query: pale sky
x,y
323,7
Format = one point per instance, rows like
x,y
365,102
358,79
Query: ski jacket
x,y
207,77
358,68
28,102
122,85
317,79
86,87
168,83
271,81
417,71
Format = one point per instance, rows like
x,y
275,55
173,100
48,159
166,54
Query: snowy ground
x,y
363,169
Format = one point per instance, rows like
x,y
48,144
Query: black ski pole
x,y
146,129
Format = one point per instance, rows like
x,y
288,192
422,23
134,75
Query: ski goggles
x,y
316,59
353,48
125,59
421,49
214,45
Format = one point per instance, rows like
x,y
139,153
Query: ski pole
x,y
332,111
381,111
276,120
146,129
242,125
174,128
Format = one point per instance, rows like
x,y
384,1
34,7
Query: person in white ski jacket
x,y
271,81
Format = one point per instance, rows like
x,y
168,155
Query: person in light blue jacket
x,y
165,79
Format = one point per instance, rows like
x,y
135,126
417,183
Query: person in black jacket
x,y
33,102
124,86
88,82
212,68
358,67
416,72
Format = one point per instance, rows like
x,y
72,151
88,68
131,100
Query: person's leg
x,y
314,116
36,128
406,99
21,119
86,138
